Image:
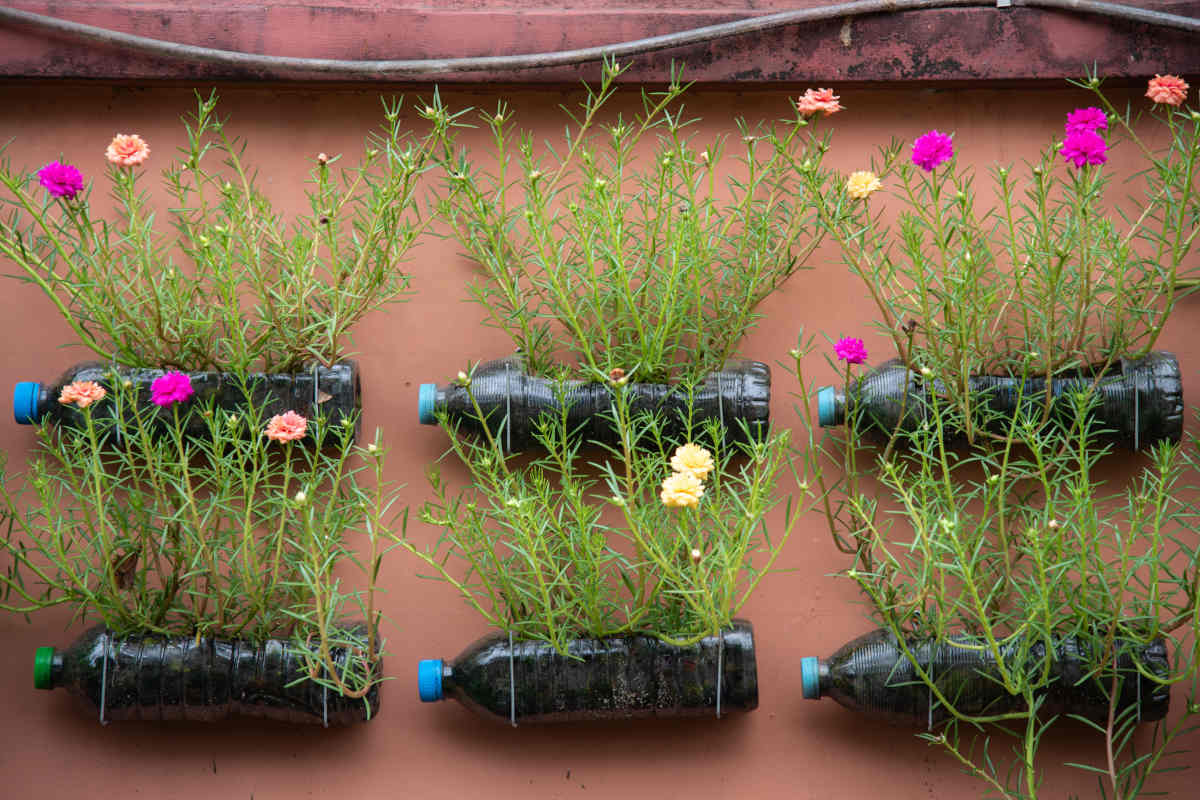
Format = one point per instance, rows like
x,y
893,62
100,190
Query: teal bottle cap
x,y
827,406
426,403
429,679
43,668
810,677
25,402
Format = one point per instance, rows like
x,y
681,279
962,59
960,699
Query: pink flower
x,y
170,388
1169,89
931,150
127,150
850,350
815,101
1084,147
1086,119
61,180
81,393
286,427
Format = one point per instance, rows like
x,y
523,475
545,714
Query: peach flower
x,y
815,101
81,393
287,427
127,150
1169,89
694,459
681,490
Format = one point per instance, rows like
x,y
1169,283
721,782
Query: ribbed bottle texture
x,y
333,392
1139,403
155,677
613,678
512,401
871,674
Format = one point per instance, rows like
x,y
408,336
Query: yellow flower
x,y
860,185
694,459
681,490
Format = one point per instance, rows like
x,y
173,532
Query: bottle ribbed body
x,y
333,392
155,677
512,401
613,678
1139,403
871,674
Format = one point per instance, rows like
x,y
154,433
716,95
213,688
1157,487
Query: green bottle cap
x,y
43,665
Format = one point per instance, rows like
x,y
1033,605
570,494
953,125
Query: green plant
x,y
629,245
1016,542
229,535
1056,276
235,286
645,541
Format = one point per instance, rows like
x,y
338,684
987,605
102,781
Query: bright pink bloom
x,y
932,150
850,350
815,101
286,427
170,388
1169,89
1086,119
61,180
1084,147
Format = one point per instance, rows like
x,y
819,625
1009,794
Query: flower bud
x,y
372,448
301,497
696,556
322,159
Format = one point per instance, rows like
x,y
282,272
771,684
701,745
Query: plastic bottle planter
x,y
155,677
511,402
1141,403
334,392
615,678
872,675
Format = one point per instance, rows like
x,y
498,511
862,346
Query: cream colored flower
x,y
694,459
862,184
681,490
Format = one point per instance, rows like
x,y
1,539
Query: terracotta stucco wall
x,y
788,748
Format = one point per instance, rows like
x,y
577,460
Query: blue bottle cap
x,y
429,677
826,406
810,678
426,401
25,402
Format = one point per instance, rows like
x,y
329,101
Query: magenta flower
x,y
61,180
170,388
1086,119
931,150
850,350
1084,147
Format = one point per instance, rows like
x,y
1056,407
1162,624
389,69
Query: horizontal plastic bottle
x,y
334,392
619,677
1141,402
155,677
512,401
871,674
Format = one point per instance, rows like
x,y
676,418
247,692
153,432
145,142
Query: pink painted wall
x,y
788,748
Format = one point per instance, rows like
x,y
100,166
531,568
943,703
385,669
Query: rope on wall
x,y
267,65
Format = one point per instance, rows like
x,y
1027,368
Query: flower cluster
x,y
1083,145
819,101
81,393
684,487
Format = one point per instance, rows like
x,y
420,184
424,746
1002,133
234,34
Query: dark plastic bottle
x,y
614,678
1141,403
337,394
155,677
512,400
872,675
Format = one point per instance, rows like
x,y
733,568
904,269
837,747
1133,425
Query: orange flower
x,y
819,100
127,150
81,393
1169,89
287,427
